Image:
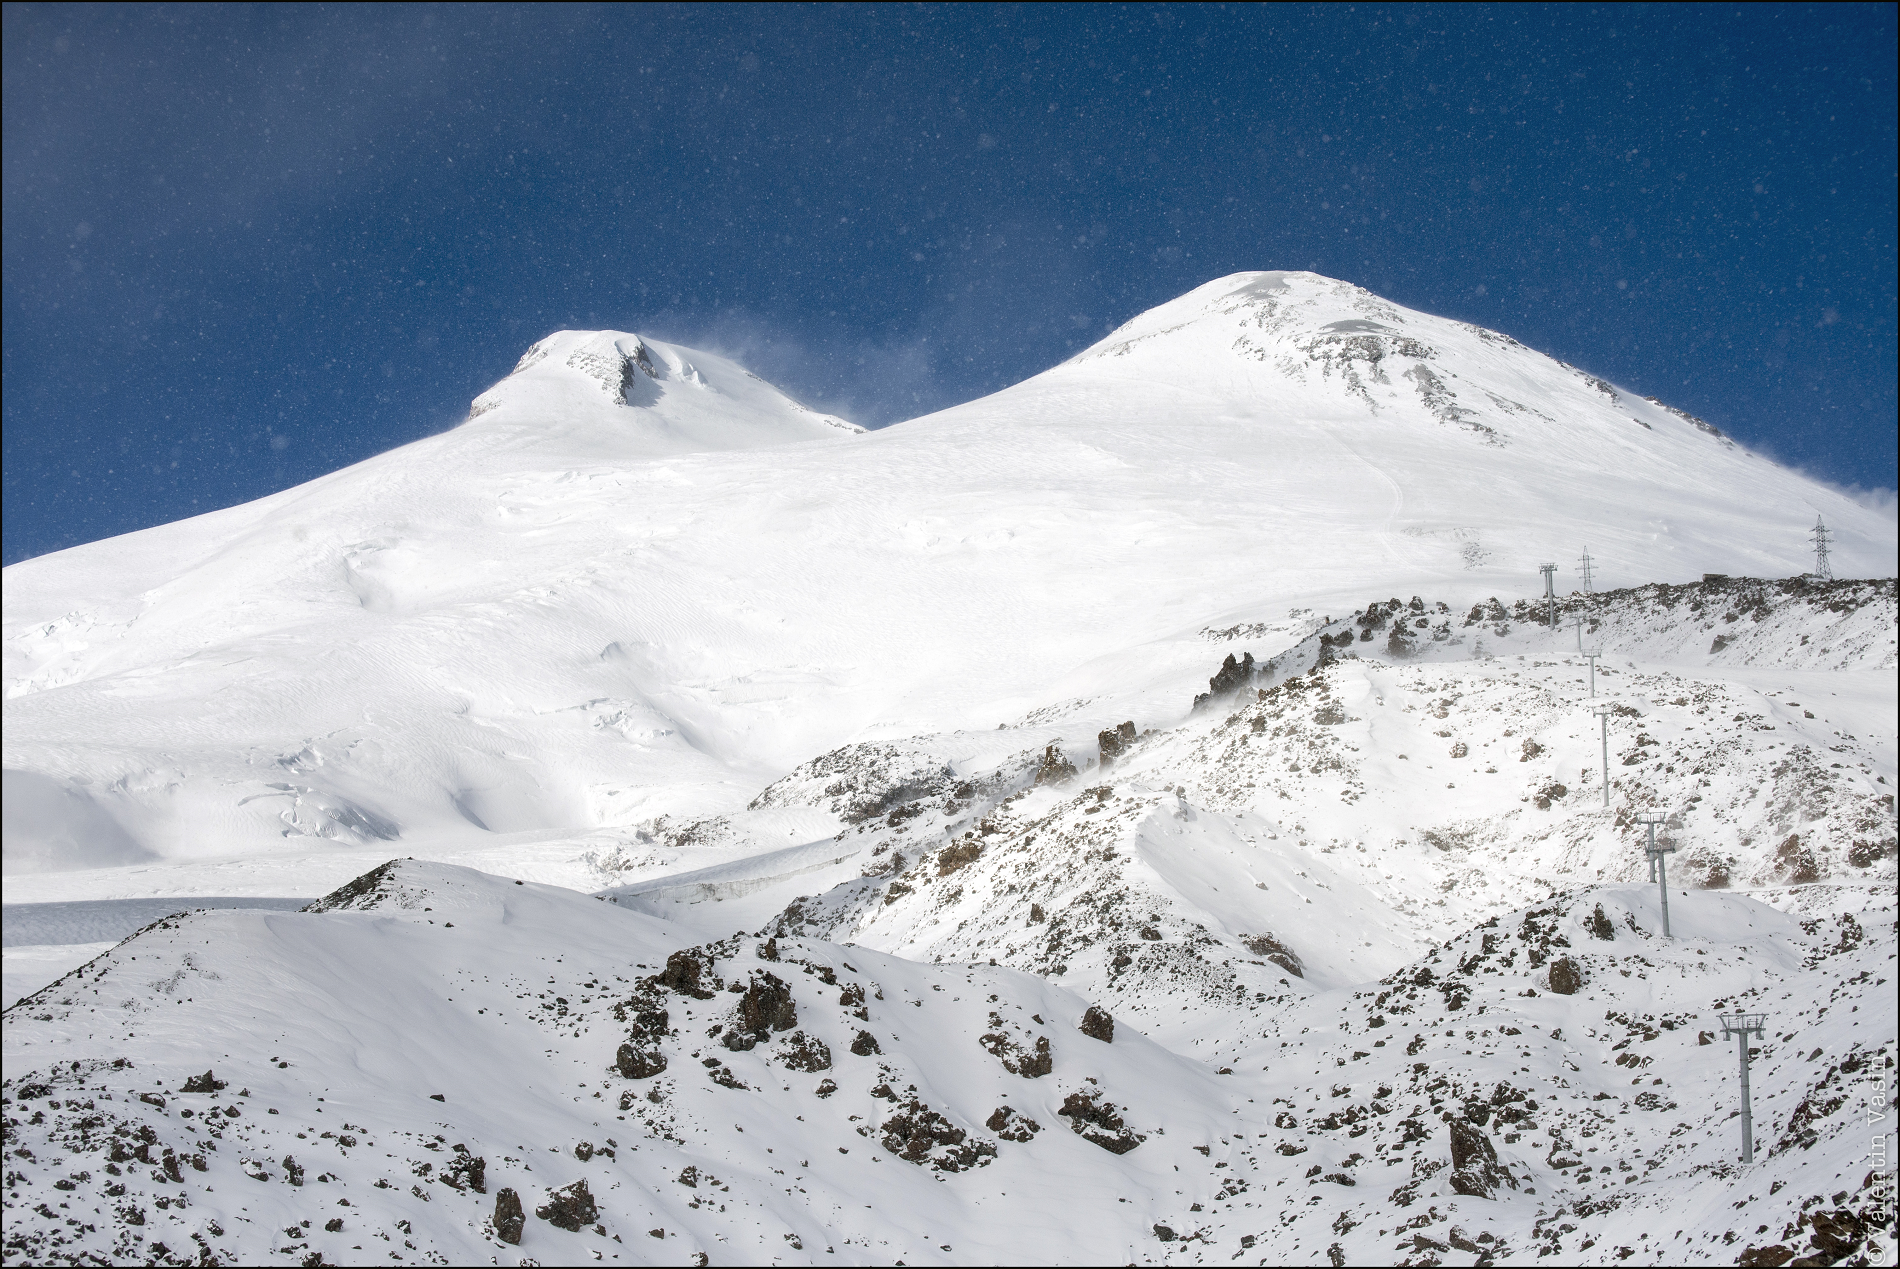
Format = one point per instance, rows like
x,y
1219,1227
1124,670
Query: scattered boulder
x,y
1474,1162
1011,1125
920,1135
1028,1063
1099,1121
1230,678
584,1151
206,1083
1398,644
766,1006
571,1207
1797,862
1548,793
1269,947
639,1064
865,1045
682,974
1566,978
805,1053
293,1171
1529,750
1599,925
1098,1024
466,1171
508,1218
1054,767
1115,742
1837,1234
957,855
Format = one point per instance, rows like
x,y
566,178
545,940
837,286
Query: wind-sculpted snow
x,y
237,1086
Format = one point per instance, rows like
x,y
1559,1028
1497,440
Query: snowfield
x,y
1148,814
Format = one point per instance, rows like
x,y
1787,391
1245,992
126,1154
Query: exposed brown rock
x,y
1099,1121
508,1218
766,1005
1011,1125
1269,947
1017,1060
638,1064
1115,742
682,974
1054,767
571,1207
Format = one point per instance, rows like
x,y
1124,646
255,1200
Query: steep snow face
x,y
639,582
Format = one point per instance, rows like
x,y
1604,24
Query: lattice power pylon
x,y
1819,535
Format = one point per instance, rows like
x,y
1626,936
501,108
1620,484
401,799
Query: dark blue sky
x,y
247,246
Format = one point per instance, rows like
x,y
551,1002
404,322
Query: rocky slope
x,y
552,1078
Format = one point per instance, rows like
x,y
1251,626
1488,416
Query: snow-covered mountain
x,y
1147,813
640,582
552,1079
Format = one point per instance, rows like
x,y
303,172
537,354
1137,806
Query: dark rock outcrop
x,y
1098,1024
1099,1121
1054,767
1230,678
206,1083
638,1064
806,1053
683,972
1599,925
1566,979
571,1207
1028,1063
1474,1162
920,1135
1011,1125
766,1006
1115,742
1269,947
508,1218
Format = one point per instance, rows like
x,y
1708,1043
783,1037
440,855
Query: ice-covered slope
x,y
638,581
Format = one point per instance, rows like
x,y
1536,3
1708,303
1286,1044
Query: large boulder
x,y
508,1218
571,1207
1475,1170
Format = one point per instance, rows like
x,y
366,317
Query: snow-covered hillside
x,y
1148,814
553,1078
638,581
